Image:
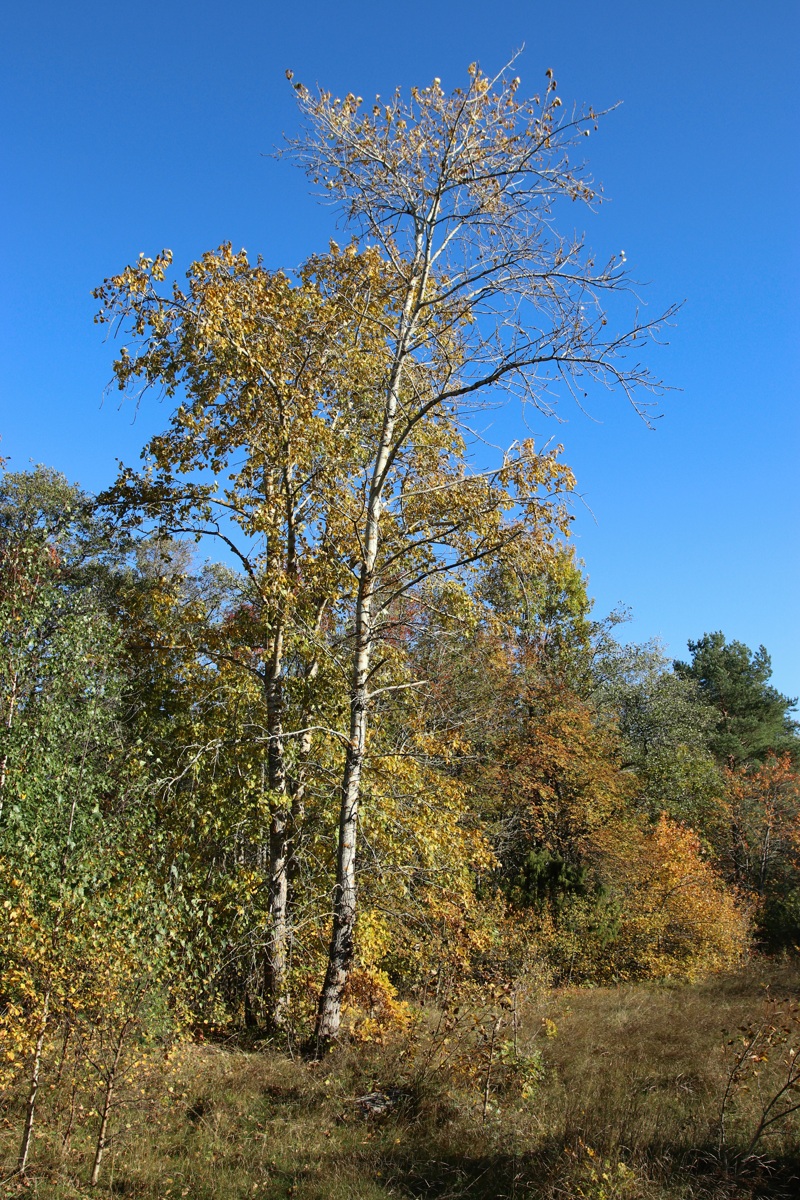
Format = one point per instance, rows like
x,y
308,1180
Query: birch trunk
x,y
276,966
102,1136
285,827
30,1107
281,822
298,783
340,953
12,701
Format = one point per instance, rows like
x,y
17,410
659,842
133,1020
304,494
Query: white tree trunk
x,y
340,954
276,966
102,1136
30,1107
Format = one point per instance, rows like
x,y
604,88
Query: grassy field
x,y
606,1094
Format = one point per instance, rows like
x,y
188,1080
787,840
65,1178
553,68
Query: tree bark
x,y
102,1136
340,952
297,785
30,1107
276,966
12,701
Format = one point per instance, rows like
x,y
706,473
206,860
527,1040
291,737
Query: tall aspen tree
x,y
459,192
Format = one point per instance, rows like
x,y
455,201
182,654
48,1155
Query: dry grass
x,y
627,1109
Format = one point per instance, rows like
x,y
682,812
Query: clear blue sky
x,y
131,127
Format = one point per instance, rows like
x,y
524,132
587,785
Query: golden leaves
x,y
679,919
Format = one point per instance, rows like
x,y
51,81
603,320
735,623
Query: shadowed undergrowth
x,y
609,1094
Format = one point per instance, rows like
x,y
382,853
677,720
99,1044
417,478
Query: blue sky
x,y
129,128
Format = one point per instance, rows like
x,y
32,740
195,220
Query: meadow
x,y
608,1093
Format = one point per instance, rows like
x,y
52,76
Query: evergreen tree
x,y
755,717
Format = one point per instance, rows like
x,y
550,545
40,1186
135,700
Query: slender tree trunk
x,y
739,853
765,854
12,702
298,814
340,952
30,1107
63,1056
490,1063
276,967
280,833
298,807
102,1136
298,782
277,955
66,1137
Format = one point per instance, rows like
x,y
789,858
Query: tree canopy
x,y
754,718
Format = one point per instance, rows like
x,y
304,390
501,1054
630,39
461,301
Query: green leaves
x,y
754,718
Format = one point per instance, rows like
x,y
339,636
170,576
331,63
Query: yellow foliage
x,y
419,910
371,1007
677,917
25,970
